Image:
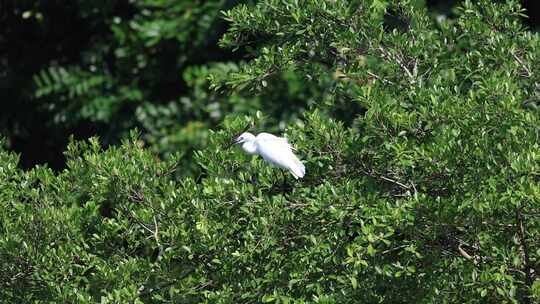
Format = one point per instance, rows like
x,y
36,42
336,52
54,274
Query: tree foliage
x,y
108,67
422,157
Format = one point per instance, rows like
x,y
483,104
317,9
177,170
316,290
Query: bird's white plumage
x,y
275,150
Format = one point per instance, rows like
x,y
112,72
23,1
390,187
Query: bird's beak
x,y
232,142
235,140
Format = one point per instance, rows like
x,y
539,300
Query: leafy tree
x,y
107,67
422,182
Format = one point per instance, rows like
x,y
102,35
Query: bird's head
x,y
247,140
244,137
240,137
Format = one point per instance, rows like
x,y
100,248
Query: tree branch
x,y
523,65
143,291
393,57
524,248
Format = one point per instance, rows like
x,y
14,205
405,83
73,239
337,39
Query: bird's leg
x,y
284,185
275,178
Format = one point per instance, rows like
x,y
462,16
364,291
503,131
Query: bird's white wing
x,y
278,151
268,136
287,142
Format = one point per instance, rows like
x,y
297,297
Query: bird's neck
x,y
250,147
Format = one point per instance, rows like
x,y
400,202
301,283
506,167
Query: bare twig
x,y
409,188
394,249
133,217
393,57
297,206
156,238
394,182
170,170
144,291
523,65
499,225
464,253
379,78
524,248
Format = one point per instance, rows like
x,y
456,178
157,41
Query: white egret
x,y
274,150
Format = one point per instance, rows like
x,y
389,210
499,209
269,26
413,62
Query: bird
x,y
273,149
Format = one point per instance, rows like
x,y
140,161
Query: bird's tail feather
x,y
299,170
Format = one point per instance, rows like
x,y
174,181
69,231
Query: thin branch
x,y
296,206
156,237
408,188
394,249
523,65
379,78
464,253
394,182
393,57
132,216
170,170
143,291
524,248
